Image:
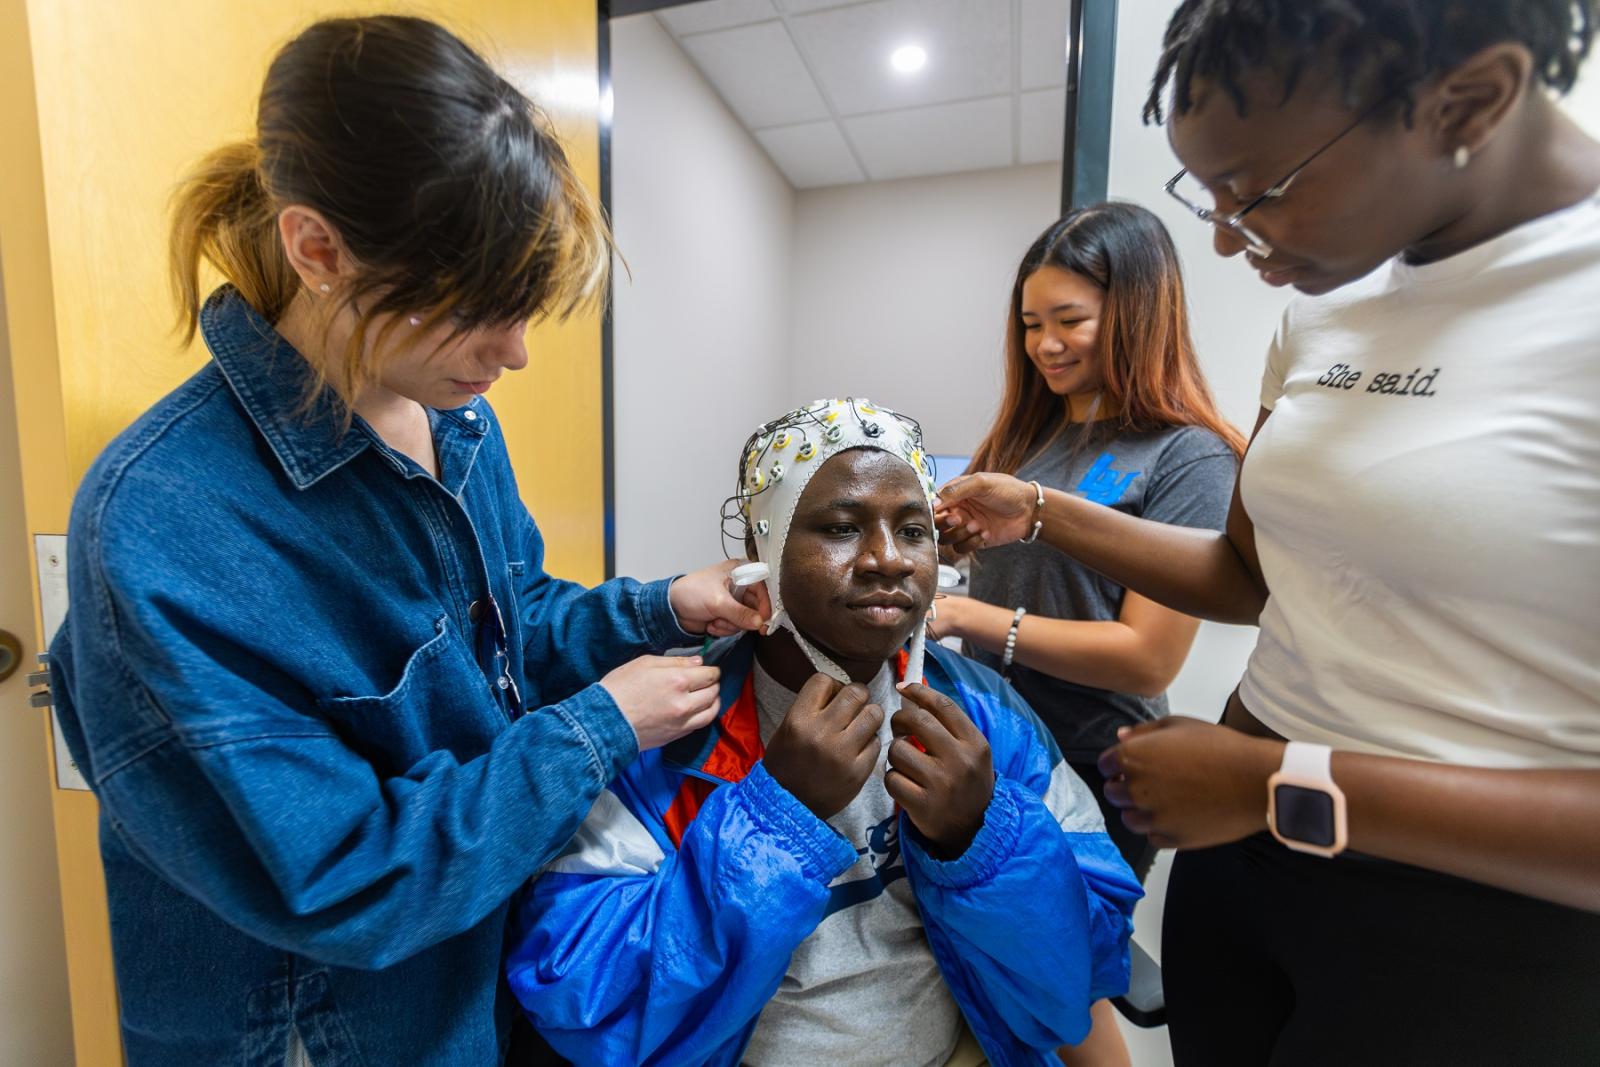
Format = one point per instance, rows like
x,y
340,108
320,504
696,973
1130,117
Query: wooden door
x,y
102,107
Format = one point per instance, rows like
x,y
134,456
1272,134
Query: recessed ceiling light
x,y
909,58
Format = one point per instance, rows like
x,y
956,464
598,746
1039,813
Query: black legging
x,y
1273,958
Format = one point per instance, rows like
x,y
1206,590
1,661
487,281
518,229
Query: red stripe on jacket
x,y
737,749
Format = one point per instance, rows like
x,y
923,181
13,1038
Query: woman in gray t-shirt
x,y
1103,399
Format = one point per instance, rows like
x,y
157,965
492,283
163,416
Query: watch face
x,y
1304,815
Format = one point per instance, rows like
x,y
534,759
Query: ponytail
x,y
221,214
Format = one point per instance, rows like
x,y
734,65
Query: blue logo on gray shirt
x,y
883,852
1104,485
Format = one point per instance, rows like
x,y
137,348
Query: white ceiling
x,y
811,80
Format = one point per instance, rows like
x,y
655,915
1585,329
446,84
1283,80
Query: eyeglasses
x,y
1254,242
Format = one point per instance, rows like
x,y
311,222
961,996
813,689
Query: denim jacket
x,y
294,671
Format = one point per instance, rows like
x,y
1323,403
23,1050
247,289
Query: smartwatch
x,y
1305,810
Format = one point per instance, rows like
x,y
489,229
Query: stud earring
x,y
414,321
1462,157
325,287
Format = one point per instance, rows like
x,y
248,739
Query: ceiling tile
x,y
1044,43
968,44
715,15
811,155
943,139
1043,126
758,73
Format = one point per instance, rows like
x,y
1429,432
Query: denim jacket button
x,y
475,611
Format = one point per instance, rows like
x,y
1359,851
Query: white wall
x,y
35,1016
706,223
1583,103
901,291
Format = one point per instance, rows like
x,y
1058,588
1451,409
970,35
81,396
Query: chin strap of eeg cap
x,y
779,461
749,574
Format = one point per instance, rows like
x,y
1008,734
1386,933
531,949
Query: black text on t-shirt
x,y
1390,383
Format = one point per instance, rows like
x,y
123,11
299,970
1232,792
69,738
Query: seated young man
x,y
841,869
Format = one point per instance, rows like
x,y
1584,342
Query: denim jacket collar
x,y
271,379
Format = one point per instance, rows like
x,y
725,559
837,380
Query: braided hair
x,y
1377,47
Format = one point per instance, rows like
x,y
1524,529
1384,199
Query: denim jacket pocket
x,y
442,701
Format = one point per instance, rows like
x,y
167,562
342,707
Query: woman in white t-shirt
x,y
1416,531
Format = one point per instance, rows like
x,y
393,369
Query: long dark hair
x,y
447,185
1146,356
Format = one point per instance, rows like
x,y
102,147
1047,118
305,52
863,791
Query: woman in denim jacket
x,y
333,707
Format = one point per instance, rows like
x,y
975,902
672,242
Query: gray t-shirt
x,y
1182,476
864,988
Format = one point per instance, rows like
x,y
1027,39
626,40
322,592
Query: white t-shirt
x,y
1430,530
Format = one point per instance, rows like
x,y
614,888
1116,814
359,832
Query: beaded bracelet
x,y
1011,642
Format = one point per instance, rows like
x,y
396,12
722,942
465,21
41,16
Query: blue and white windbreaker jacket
x,y
663,929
